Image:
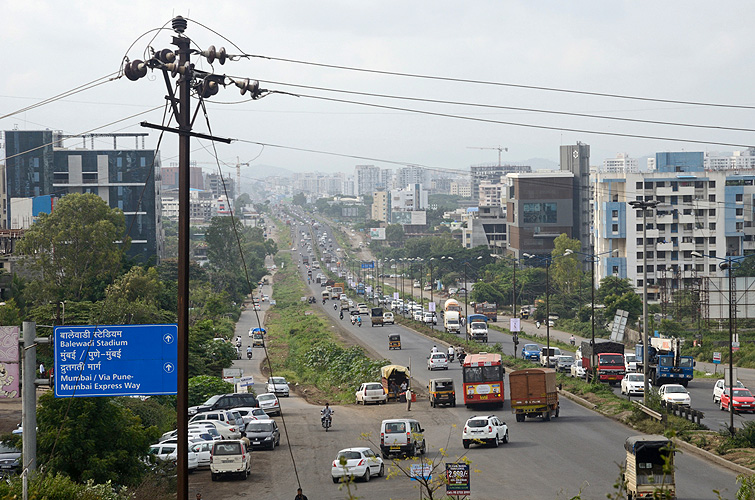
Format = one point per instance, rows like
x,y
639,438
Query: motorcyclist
x,y
249,352
359,320
572,339
323,301
434,350
341,313
353,319
451,353
326,412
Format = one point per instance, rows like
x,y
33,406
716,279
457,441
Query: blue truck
x,y
665,363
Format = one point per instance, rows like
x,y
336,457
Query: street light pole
x,y
644,206
731,347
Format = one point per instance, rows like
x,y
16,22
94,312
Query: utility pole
x,y
205,85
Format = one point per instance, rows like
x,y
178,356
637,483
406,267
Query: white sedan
x,y
269,402
356,463
371,392
633,383
437,361
674,393
577,370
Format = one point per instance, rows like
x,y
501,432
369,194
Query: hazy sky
x,y
680,50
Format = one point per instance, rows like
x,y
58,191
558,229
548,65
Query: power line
x,y
526,125
514,108
86,86
501,84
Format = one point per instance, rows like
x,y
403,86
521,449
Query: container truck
x,y
609,360
489,309
533,393
666,365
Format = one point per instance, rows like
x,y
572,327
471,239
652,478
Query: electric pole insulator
x,y
179,24
135,69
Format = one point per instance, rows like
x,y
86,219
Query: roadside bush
x,y
60,487
204,386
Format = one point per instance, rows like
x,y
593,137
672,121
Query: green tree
x,y
629,302
394,234
613,285
243,200
92,438
10,314
300,199
566,270
202,387
134,298
74,251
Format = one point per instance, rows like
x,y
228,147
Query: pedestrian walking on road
x,y
300,495
409,399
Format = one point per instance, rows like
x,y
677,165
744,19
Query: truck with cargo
x,y
376,316
452,316
489,309
666,365
533,393
336,291
477,327
609,360
305,260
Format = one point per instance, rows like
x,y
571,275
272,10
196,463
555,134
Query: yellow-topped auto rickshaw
x,y
649,471
395,379
441,392
394,341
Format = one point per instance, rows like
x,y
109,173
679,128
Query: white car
x,y
485,429
417,315
437,361
633,383
388,318
356,463
251,414
630,362
278,386
371,392
169,452
203,451
429,317
363,309
674,393
269,402
721,386
577,370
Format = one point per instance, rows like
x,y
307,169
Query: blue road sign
x,y
368,265
115,360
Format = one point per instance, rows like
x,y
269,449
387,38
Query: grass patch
x,y
302,347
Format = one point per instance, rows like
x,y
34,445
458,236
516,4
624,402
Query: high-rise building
x,y
219,186
739,160
170,177
706,212
621,164
539,208
490,194
128,179
368,178
576,159
411,175
381,206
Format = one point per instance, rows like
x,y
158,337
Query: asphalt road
x,y
579,451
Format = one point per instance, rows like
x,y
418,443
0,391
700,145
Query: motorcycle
x,y
353,320
451,357
327,421
248,354
359,321
462,355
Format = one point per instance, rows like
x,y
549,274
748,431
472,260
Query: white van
x,y
230,457
402,436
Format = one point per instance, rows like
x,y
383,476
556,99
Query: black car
x,y
226,402
263,434
10,459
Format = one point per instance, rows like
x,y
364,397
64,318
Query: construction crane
x,y
238,173
499,149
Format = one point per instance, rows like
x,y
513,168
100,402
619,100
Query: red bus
x,y
483,379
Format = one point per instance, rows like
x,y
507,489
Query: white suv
x,y
721,386
485,429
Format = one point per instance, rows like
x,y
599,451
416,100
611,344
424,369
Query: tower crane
x,y
499,149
